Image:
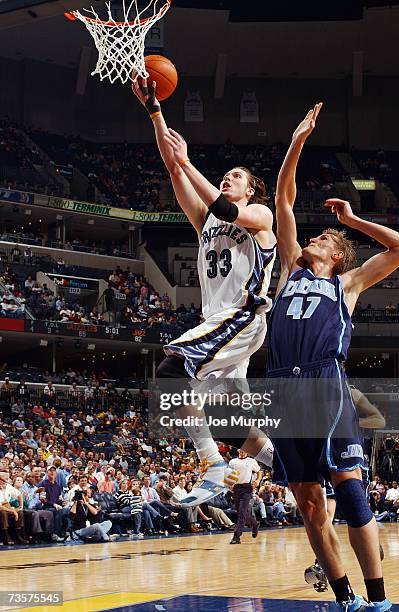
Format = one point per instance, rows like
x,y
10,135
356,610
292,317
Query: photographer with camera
x,y
81,485
83,513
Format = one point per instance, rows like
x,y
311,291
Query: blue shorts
x,y
300,457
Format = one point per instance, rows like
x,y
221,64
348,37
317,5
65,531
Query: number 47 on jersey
x,y
298,310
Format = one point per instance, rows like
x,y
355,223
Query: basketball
x,y
164,73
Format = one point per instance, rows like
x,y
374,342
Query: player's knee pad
x,y
352,502
171,367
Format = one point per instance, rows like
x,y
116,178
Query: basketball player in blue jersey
x,y
309,335
237,249
369,418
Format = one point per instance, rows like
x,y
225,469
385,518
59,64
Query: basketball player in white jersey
x,y
237,249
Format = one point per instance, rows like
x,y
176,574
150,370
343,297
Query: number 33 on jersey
x,y
234,271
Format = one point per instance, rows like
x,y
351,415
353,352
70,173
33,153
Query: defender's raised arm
x,y
377,267
288,247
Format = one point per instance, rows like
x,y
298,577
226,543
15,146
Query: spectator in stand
x,y
17,408
57,428
392,498
88,393
136,509
29,284
165,492
34,515
11,511
49,395
267,495
217,508
74,422
131,506
60,476
51,499
74,395
60,303
27,437
376,503
22,393
379,486
19,423
6,390
179,494
107,485
155,475
153,502
149,515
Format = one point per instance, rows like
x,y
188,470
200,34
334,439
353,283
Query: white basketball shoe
x,y
214,478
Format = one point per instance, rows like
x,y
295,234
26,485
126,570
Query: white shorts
x,y
221,346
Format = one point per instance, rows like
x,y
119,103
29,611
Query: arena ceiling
x,y
196,37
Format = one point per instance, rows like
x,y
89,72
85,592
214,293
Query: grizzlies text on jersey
x,y
233,269
234,272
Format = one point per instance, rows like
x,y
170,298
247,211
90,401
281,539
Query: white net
x,y
120,44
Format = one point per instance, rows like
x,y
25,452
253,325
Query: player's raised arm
x,y
188,199
289,249
377,267
257,216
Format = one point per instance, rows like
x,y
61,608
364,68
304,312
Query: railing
x,y
23,241
66,398
371,315
96,251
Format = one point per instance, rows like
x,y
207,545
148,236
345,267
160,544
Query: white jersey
x,y
234,270
235,274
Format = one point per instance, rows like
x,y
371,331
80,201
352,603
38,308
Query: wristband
x,y
184,161
156,114
152,105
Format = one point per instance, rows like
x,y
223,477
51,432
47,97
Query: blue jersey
x,y
309,321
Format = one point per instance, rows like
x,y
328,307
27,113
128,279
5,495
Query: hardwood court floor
x,y
102,576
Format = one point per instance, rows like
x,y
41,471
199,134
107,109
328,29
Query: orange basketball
x,y
163,72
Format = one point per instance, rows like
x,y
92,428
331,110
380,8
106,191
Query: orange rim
x,y
72,16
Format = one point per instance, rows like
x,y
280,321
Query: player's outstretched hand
x,y
307,125
341,208
140,90
146,94
178,144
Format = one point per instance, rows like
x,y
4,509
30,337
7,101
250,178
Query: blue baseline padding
x,y
204,603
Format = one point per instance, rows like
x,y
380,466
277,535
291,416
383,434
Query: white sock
x,y
265,454
204,444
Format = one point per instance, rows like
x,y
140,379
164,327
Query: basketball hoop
x,y
120,44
